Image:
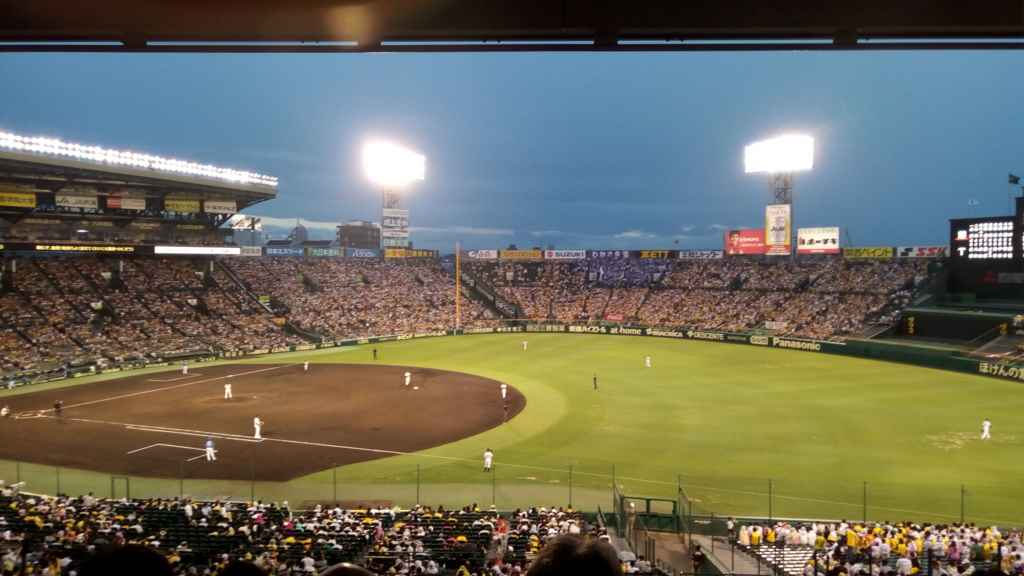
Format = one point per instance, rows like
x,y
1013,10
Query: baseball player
x,y
305,366
408,378
257,426
986,429
184,368
227,392
647,361
5,411
211,453
488,459
504,392
58,408
525,344
374,353
595,381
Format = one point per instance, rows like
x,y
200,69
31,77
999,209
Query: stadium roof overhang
x,y
60,174
503,25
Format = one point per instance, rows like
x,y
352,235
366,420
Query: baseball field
x,y
743,430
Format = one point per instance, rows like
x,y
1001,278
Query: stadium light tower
x,y
393,169
781,157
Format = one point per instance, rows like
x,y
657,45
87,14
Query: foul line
x,y
143,392
162,444
183,377
180,431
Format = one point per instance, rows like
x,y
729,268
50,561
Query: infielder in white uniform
x,y
227,392
488,459
408,378
525,343
184,369
504,391
257,425
647,361
986,430
211,454
305,366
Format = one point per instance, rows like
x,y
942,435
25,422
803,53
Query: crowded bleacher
x,y
818,298
899,549
57,313
61,535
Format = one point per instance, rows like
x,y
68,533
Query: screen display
x,y
983,238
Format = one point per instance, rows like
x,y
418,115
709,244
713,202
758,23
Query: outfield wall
x,y
905,353
888,351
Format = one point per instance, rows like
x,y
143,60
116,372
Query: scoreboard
x,y
986,255
983,239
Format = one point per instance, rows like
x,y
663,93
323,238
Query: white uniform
x,y
184,369
257,426
986,427
305,366
5,412
227,392
408,378
488,459
525,343
211,454
504,391
647,361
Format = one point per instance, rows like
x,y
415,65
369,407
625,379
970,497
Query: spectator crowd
x,y
53,535
817,298
897,549
59,313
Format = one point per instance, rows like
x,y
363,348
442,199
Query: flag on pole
x,y
1014,179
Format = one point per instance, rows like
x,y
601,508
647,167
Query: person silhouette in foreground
x,y
571,555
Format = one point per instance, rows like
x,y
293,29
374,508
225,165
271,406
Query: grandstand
x,y
118,261
180,392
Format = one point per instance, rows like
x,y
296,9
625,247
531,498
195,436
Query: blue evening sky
x,y
575,150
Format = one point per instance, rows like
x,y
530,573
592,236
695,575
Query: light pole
x,y
780,157
393,169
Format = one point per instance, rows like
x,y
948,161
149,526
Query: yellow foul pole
x,y
458,284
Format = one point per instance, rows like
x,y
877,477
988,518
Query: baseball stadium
x,y
183,389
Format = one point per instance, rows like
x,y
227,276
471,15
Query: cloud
x,y
463,230
634,234
289,223
719,227
687,228
545,233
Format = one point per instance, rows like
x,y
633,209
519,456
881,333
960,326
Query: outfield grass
x,y
731,423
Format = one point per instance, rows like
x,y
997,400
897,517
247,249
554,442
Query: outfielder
x,y
647,361
211,454
986,430
227,392
257,425
488,459
408,379
525,344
